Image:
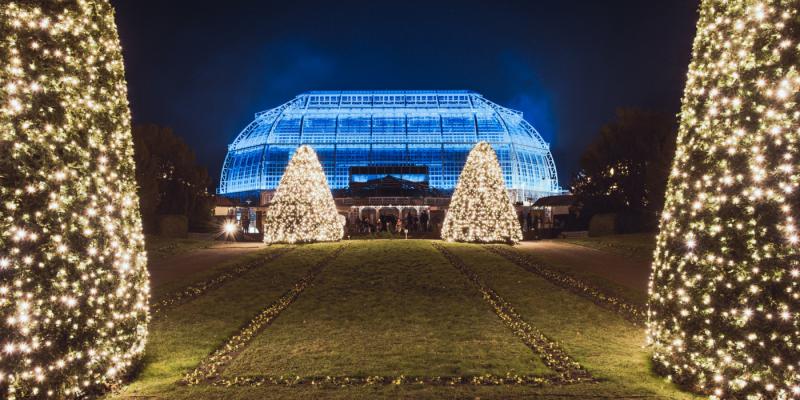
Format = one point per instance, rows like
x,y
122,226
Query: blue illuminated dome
x,y
432,131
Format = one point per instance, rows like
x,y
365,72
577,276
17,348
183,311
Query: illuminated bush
x,y
724,292
73,279
303,209
480,209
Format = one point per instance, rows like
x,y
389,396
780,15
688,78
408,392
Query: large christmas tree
x,y
480,209
73,279
302,210
723,315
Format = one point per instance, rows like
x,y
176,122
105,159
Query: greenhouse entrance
x,y
394,219
391,198
389,176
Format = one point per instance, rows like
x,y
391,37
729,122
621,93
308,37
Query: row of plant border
x,y
210,368
554,357
623,308
197,289
379,380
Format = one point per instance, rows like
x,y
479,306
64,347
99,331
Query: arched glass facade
x,y
434,129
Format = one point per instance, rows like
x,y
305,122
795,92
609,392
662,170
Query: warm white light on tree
x,y
73,279
480,209
723,314
303,209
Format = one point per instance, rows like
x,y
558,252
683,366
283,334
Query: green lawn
x,y
637,245
392,307
596,279
388,308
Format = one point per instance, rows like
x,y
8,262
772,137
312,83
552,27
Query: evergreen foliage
x,y
73,280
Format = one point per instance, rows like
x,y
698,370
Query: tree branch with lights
x,y
480,209
303,209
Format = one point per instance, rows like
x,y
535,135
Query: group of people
x,y
391,223
529,222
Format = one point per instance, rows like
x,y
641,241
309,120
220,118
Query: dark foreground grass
x,y
182,336
636,245
388,308
355,318
165,289
159,246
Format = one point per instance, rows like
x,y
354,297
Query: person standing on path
x,y
529,221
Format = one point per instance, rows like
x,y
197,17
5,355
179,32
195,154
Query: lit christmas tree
x,y
723,315
73,279
480,209
302,210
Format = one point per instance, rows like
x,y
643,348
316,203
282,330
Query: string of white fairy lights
x,y
303,209
723,310
480,209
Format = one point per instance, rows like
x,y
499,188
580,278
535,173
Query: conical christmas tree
x,y
723,313
302,210
73,279
480,209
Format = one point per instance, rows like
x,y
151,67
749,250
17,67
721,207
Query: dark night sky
x,y
204,68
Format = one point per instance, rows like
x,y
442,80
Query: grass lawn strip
x,y
349,345
552,354
182,336
211,367
605,343
199,288
630,312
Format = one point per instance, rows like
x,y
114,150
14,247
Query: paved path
x,y
181,266
631,272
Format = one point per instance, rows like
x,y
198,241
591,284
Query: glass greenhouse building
x,y
416,136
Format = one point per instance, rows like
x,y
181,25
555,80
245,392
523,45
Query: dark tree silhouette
x,y
170,181
625,168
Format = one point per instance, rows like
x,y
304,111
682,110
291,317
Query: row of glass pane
x,y
261,167
387,100
293,130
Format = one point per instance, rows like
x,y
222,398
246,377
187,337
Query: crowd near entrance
x,y
395,219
